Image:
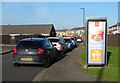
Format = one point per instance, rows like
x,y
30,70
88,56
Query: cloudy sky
x,y
61,14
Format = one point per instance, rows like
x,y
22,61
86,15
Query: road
x,y
22,73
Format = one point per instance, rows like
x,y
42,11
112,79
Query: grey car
x,y
59,43
34,51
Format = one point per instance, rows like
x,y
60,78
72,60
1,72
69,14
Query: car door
x,y
50,48
65,46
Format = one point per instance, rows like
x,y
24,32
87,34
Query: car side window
x,y
48,43
44,43
63,40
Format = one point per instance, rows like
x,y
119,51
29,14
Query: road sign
x,y
96,41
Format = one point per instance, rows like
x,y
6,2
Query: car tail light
x,y
40,50
59,50
60,43
14,50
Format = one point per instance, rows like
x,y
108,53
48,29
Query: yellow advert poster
x,y
96,55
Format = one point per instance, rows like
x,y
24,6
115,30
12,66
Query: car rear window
x,y
29,44
54,40
78,38
67,40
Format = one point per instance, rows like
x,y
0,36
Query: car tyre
x,y
56,56
16,65
48,63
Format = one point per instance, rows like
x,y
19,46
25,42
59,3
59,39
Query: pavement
x,y
6,45
6,48
67,69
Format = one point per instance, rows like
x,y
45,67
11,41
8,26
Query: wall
x,y
113,40
6,39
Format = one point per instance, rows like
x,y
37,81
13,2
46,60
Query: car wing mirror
x,y
54,45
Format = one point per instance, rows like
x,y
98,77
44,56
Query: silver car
x,y
59,43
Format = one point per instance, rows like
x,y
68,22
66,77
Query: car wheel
x,y
56,55
48,63
16,65
62,53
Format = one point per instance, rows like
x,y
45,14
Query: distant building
x,y
61,33
115,29
74,31
77,31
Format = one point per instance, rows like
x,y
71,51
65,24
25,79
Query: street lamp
x,y
64,31
83,15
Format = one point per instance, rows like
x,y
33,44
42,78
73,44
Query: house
x,y
61,33
77,31
18,30
45,29
115,29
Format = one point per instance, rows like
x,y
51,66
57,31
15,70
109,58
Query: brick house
x,y
115,29
71,32
61,33
45,29
77,31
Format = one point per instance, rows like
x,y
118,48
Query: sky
x,y
63,15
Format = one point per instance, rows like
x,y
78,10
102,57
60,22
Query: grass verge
x,y
109,73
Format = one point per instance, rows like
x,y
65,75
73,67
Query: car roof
x,y
67,38
33,39
55,37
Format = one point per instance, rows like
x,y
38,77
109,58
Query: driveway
x,y
67,69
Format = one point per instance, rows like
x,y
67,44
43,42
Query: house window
x,y
72,31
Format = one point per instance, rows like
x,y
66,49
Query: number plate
x,y
26,59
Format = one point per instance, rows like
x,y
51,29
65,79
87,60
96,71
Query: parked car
x,y
74,41
34,51
79,39
59,43
69,43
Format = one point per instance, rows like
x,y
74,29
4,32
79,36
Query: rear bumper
x,y
35,59
20,62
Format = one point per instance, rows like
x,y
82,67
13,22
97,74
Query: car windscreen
x,y
54,40
67,40
29,44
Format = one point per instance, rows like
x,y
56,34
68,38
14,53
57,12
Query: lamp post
x,y
64,34
83,15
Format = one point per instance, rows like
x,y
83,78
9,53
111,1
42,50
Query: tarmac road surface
x,y
22,73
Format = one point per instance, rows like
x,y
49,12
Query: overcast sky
x,y
61,14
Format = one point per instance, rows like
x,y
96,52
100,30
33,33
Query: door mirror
x,y
54,45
